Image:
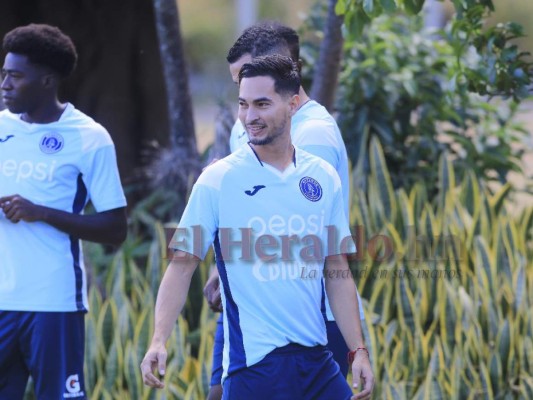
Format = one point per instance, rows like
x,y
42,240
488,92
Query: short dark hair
x,y
280,68
269,42
243,45
44,45
276,38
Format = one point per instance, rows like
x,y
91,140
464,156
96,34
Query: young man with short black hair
x,y
274,331
53,160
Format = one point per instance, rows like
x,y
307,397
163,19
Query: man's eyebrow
x,y
262,99
258,100
9,70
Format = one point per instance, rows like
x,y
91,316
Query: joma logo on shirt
x,y
6,138
27,170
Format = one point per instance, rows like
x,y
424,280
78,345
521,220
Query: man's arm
x,y
170,301
108,227
341,292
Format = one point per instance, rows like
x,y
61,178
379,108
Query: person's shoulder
x,y
313,110
93,134
313,113
215,173
313,125
305,157
237,126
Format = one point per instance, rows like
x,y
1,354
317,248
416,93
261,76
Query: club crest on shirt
x,y
310,188
51,143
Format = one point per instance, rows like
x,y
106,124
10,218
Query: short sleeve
x,y
318,138
340,239
199,222
101,178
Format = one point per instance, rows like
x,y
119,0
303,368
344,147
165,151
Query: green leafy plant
x,y
423,93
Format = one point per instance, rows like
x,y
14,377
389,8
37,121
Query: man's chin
x,y
261,142
13,109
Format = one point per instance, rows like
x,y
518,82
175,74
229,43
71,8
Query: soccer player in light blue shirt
x,y
275,215
312,129
53,160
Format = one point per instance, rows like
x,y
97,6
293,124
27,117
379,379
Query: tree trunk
x,y
327,70
174,168
118,80
176,77
247,11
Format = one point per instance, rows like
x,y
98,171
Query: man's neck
x,y
304,98
49,112
278,154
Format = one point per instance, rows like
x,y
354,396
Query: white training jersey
x,y
270,235
314,130
60,165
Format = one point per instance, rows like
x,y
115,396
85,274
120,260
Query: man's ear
x,y
294,104
50,81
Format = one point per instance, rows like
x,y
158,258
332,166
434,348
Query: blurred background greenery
x,y
209,29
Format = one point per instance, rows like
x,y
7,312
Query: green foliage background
x,y
424,93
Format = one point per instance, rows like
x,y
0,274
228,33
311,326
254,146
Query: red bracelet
x,y
351,354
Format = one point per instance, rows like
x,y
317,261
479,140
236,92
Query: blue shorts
x,y
291,372
49,346
336,345
216,369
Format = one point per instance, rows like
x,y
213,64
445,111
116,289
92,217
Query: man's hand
x,y
362,371
156,357
17,208
212,292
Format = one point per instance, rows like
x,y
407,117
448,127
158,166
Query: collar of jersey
x,y
282,174
35,125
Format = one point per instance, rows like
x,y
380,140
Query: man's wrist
x,y
351,354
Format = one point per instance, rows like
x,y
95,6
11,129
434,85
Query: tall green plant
x,y
449,311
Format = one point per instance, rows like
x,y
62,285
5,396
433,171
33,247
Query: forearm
x,y
106,227
342,297
172,294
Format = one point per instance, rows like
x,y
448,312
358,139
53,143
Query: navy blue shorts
x,y
336,344
218,347
49,346
291,372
